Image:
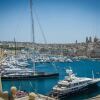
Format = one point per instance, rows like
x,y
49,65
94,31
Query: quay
x,y
95,98
40,97
31,96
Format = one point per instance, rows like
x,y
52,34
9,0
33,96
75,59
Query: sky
x,y
62,21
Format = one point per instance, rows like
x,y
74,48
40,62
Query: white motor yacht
x,y
72,84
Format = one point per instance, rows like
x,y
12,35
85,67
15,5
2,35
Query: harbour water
x,y
82,68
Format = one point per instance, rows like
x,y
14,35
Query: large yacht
x,y
72,84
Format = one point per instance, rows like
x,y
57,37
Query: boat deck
x,y
96,80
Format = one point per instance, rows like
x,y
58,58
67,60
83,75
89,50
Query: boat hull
x,y
28,77
76,92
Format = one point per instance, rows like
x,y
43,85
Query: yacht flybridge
x,y
72,84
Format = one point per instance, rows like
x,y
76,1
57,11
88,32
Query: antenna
x,y
70,68
92,74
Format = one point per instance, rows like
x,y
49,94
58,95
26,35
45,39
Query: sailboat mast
x,y
33,35
92,74
15,45
0,84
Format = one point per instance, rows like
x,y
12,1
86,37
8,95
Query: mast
x,y
0,84
33,36
15,45
92,74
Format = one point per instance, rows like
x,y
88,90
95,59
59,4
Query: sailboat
x,y
29,73
37,74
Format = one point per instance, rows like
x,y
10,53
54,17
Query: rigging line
x,y
53,64
34,89
41,29
40,26
19,86
43,34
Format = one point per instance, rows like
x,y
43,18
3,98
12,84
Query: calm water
x,y
82,68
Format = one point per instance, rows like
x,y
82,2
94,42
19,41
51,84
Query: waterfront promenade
x,y
40,98
27,98
95,98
